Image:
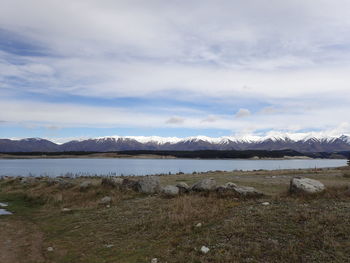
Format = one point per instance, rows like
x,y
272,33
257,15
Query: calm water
x,y
57,167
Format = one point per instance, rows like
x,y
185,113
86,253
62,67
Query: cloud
x,y
175,120
241,113
211,118
289,59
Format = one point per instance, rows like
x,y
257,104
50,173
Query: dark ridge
x,y
203,154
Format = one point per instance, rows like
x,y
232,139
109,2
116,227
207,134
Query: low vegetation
x,y
69,224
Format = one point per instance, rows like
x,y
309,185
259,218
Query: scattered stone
x,y
204,249
273,241
109,246
5,212
183,187
265,203
108,206
105,200
170,190
305,185
112,181
149,185
63,184
226,187
241,191
198,225
154,260
85,185
66,210
247,191
28,180
50,249
204,185
130,184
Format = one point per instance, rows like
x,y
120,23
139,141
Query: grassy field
x,y
138,227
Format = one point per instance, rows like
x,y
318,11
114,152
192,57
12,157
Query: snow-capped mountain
x,y
124,143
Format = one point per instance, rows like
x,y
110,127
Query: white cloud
x,y
241,113
293,55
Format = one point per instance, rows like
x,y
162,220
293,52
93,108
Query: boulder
x,y
183,187
305,185
28,180
240,191
149,185
226,187
170,190
105,200
116,182
85,185
64,184
204,185
247,191
130,184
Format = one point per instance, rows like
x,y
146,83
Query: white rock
x,y
3,204
105,200
199,225
50,249
154,260
265,203
204,249
109,246
306,185
66,210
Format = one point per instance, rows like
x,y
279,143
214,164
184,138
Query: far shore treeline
x,y
202,154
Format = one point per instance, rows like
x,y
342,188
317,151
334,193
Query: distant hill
x,y
108,144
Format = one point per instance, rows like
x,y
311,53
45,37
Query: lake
x,y
58,167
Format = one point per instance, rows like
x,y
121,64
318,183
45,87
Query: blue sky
x,y
78,69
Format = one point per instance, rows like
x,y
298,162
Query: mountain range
x,y
118,143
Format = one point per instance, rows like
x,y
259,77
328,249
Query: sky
x,y
92,68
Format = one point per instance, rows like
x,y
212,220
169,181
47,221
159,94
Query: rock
x,y
4,204
130,184
66,210
28,180
183,187
265,203
116,182
170,190
241,191
105,200
198,225
85,185
226,187
63,184
305,185
149,185
154,260
204,249
109,246
204,185
50,249
247,191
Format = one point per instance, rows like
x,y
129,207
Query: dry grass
x,y
293,228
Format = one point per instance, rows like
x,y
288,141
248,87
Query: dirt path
x,y
20,241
